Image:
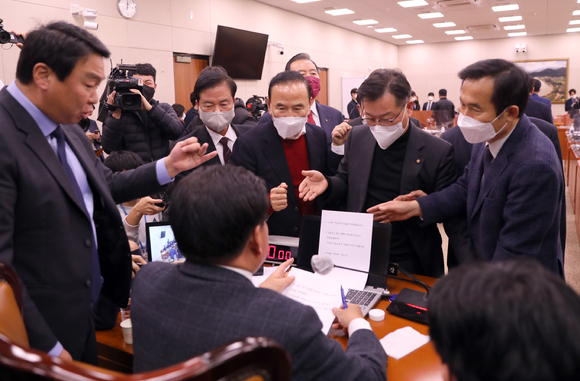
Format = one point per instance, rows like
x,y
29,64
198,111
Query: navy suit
x,y
516,212
181,311
545,101
461,148
539,110
260,151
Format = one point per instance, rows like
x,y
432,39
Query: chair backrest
x,y
250,359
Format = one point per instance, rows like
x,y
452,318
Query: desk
x,y
422,364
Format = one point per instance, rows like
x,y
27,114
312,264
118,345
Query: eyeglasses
x,y
382,122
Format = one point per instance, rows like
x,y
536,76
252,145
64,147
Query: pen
x,y
343,298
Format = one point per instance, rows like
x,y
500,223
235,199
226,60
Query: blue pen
x,y
343,298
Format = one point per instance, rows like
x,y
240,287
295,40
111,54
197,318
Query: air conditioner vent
x,y
482,28
457,4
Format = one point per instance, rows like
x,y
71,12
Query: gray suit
x,y
181,311
428,166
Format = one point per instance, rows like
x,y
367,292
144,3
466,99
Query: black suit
x,y
261,152
428,166
203,136
538,110
443,112
46,235
568,106
426,106
352,109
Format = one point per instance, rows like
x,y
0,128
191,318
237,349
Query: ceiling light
x,y
576,13
460,31
574,22
304,1
432,15
399,36
572,30
508,7
339,12
517,34
385,30
415,42
514,27
463,38
412,3
510,18
365,22
444,24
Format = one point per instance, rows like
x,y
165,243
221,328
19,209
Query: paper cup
x,y
127,331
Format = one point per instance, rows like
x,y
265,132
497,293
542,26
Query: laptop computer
x,y
161,245
376,284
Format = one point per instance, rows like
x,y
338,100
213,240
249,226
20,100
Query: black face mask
x,y
148,92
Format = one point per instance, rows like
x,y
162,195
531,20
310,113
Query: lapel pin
x,y
418,161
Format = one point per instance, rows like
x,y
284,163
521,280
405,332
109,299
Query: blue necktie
x,y
96,282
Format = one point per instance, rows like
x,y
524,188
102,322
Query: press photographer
x,y
144,128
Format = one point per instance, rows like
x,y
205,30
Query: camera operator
x,y
146,132
92,132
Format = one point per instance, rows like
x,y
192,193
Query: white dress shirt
x,y
215,137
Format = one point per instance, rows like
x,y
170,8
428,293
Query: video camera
x,y
120,80
255,105
8,37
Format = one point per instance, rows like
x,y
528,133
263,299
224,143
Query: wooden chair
x,y
250,359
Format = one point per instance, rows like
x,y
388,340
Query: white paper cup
x,y
127,331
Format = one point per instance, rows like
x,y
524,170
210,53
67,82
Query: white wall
x,y
162,27
434,66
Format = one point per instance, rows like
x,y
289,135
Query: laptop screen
x,y
161,245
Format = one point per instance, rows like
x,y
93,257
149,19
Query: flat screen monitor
x,y
240,52
161,245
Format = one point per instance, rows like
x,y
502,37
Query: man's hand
x,y
137,260
91,136
344,317
64,355
340,133
313,185
20,44
111,100
395,211
147,206
279,197
186,155
279,279
411,196
145,105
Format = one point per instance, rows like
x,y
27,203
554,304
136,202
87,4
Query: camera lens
x,y
4,37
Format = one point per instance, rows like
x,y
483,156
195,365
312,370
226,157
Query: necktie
x,y
311,118
96,268
429,107
227,151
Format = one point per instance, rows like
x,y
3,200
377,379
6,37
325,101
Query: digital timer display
x,y
279,253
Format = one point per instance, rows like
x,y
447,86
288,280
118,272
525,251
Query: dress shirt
x,y
429,105
495,147
215,138
47,127
315,115
355,325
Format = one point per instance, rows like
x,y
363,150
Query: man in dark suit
x,y
352,106
570,102
538,110
215,93
443,110
537,85
384,159
281,149
513,187
428,106
210,300
59,226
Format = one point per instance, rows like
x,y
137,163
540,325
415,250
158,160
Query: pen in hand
x,y
343,298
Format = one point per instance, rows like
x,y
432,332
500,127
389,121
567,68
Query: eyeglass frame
x,y
378,122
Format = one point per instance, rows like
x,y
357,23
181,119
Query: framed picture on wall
x,y
552,73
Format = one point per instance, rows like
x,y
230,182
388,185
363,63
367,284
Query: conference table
x,y
422,364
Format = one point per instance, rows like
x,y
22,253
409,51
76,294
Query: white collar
x,y
495,147
215,137
240,271
314,109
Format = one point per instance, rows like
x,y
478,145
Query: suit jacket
x,y
539,110
426,104
46,235
428,165
516,212
545,101
260,151
443,111
205,306
461,148
204,137
568,107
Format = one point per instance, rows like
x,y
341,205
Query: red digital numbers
x,y
282,254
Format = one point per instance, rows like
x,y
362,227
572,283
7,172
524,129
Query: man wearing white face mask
x,y
278,151
513,187
387,156
428,106
215,92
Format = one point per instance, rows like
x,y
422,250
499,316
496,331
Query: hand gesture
x,y
395,211
147,206
187,154
279,279
340,133
145,105
111,101
313,185
344,317
279,197
411,196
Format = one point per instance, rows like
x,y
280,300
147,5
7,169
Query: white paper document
x,y
346,237
314,290
403,341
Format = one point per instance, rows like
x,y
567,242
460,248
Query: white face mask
x,y
387,135
217,121
290,127
430,98
475,131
